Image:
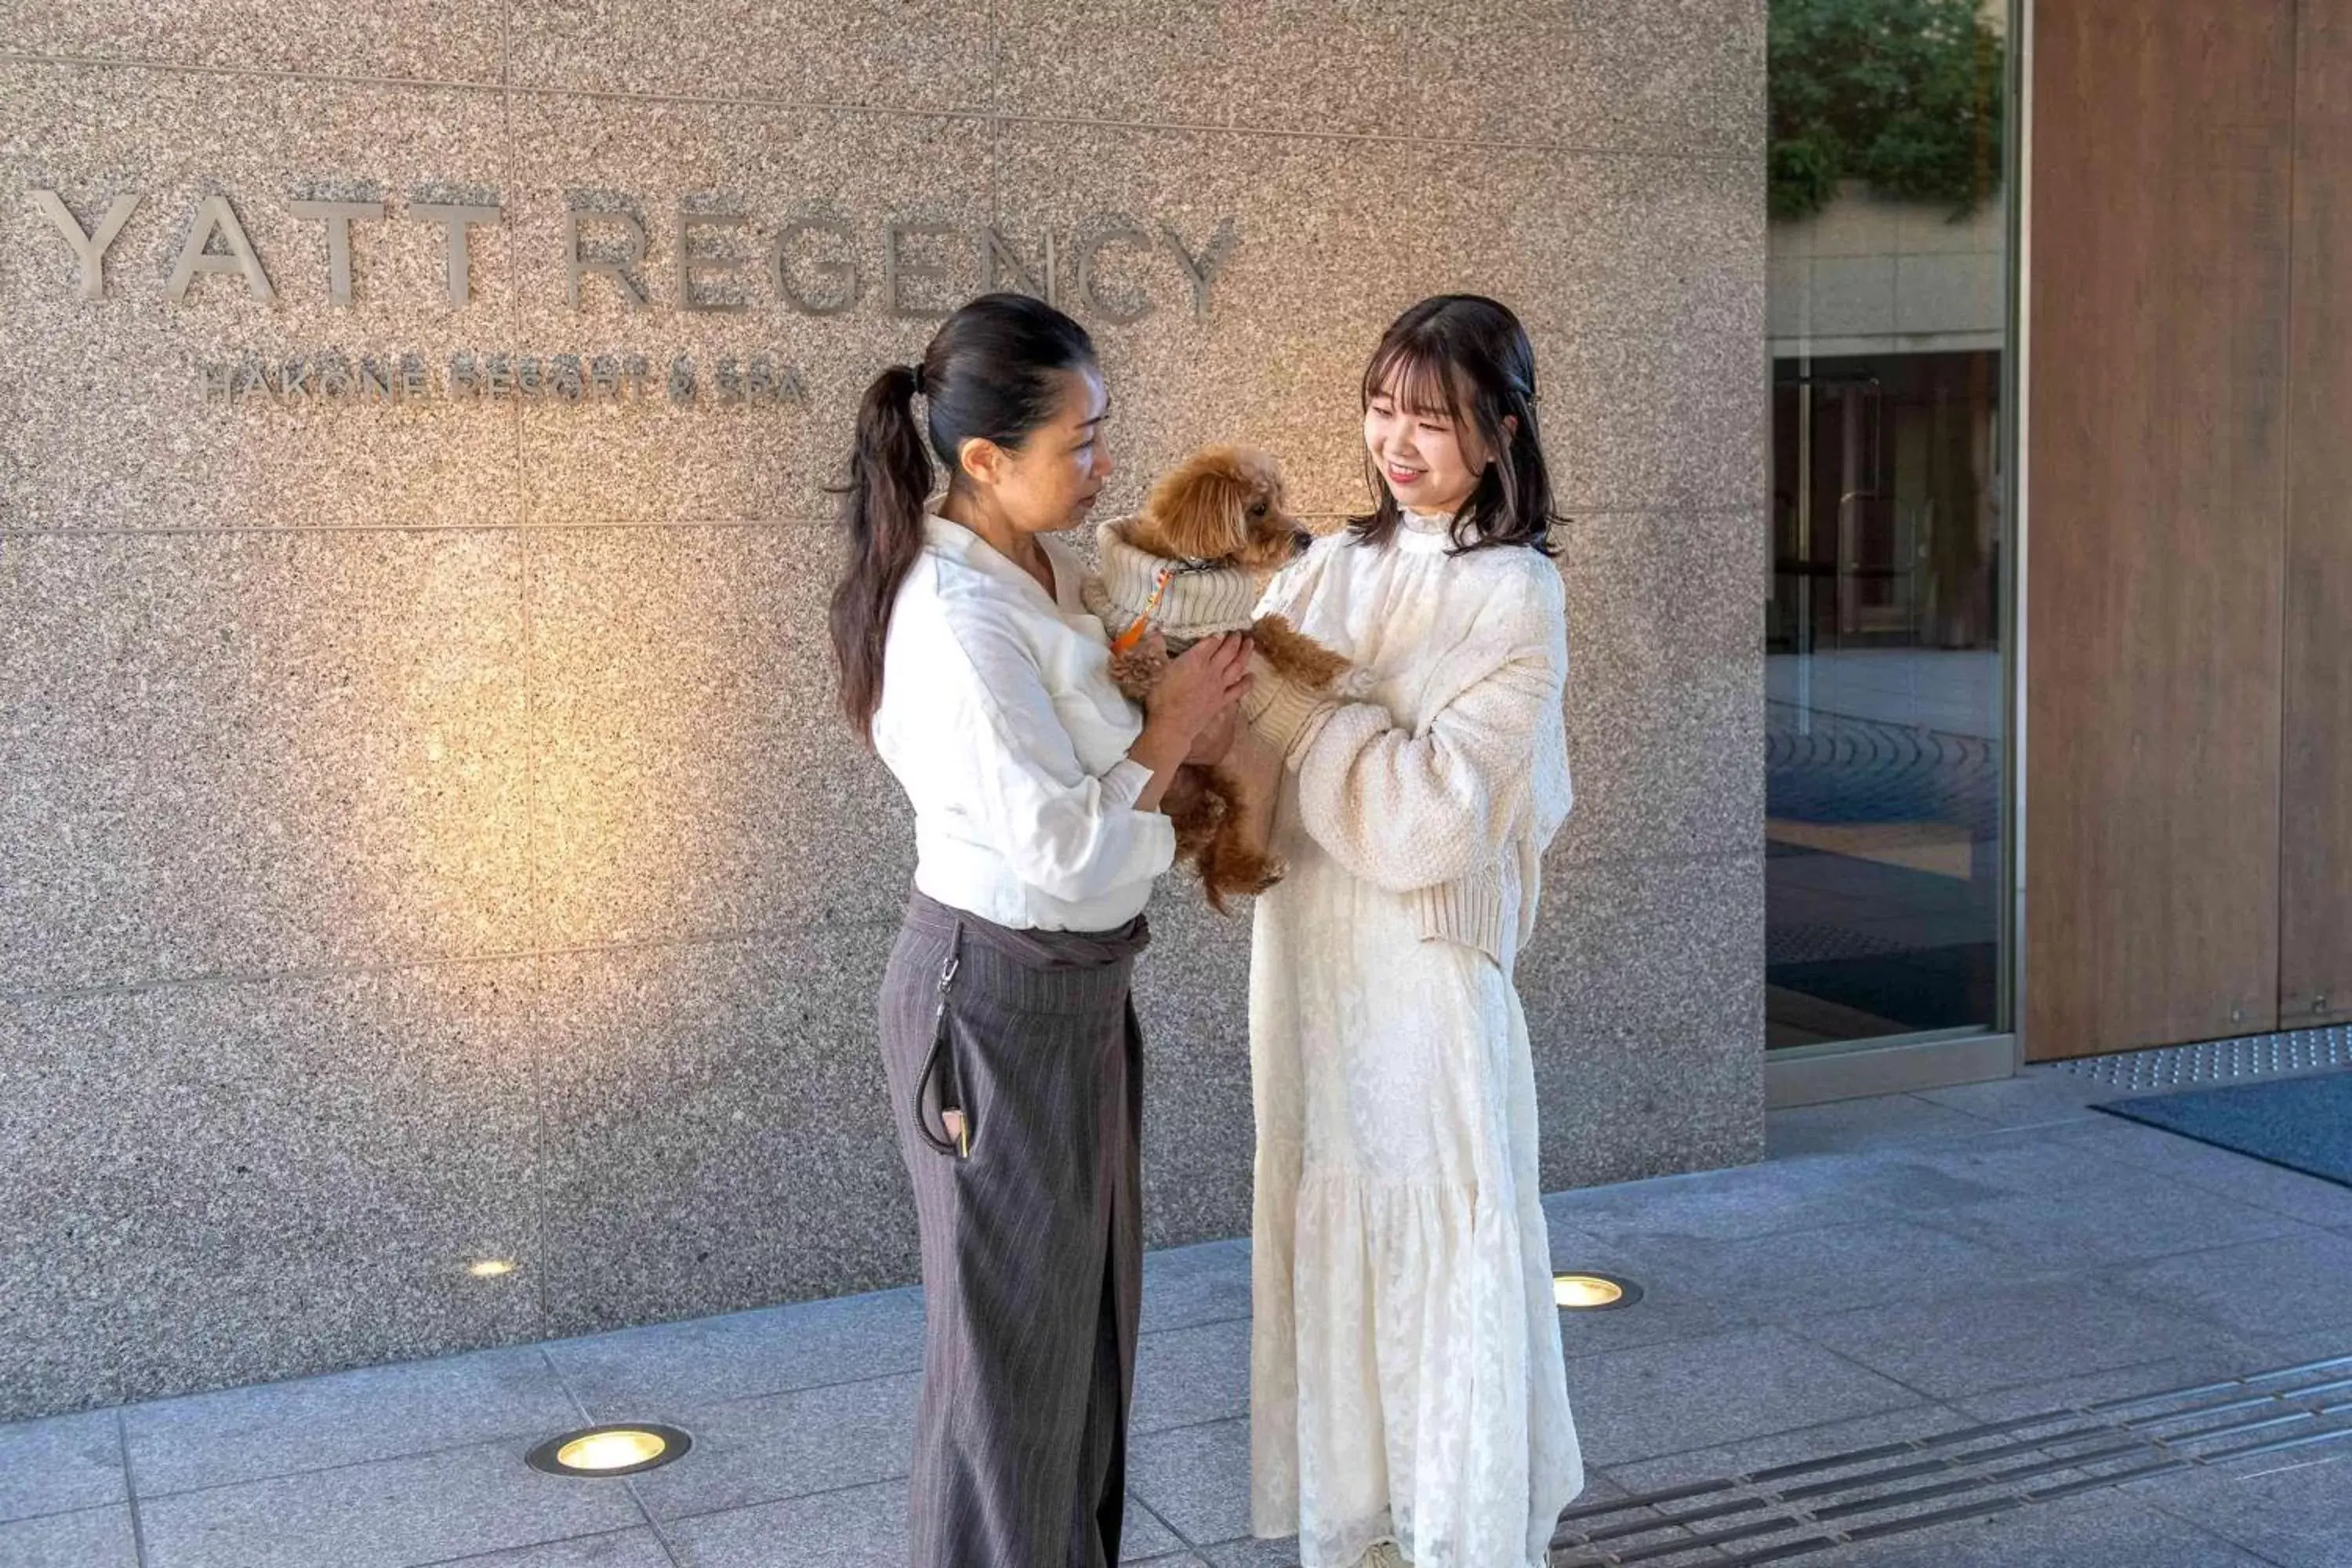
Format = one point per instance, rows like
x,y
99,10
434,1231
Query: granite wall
x,y
423,835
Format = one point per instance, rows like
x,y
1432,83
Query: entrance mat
x,y
2302,1123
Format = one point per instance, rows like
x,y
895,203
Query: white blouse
x,y
1000,719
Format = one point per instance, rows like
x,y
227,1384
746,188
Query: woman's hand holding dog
x,y
1202,685
1200,689
1210,747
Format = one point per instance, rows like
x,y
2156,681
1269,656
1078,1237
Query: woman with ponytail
x,y
969,662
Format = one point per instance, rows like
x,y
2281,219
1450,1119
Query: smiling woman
x,y
1450,427
1400,1303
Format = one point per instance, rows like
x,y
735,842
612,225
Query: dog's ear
x,y
1277,498
1264,477
1203,509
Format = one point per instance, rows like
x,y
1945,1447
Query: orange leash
x,y
1126,641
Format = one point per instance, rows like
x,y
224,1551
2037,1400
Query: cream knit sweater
x,y
1450,781
1196,604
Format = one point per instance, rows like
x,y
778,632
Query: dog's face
x,y
1223,504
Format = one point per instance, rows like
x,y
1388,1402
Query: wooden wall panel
x,y
2315,786
2161,157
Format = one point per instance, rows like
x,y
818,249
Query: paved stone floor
x,y
1905,1265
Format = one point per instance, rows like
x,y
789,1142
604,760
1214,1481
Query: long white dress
x,y
1407,1382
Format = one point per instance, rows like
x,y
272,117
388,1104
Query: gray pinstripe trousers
x,y
1032,1241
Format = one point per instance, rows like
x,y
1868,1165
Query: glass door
x,y
1886,686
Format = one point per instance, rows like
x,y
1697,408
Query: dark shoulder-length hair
x,y
991,372
1465,358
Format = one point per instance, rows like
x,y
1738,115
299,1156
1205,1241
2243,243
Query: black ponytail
x,y
882,509
990,374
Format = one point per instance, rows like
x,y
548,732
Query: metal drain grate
x,y
2222,1061
1973,1472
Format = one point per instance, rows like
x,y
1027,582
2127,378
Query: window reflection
x,y
1887,718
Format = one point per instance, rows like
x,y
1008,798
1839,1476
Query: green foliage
x,y
1904,95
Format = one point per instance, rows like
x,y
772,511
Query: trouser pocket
x,y
943,1111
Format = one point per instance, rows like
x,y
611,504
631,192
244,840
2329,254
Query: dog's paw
x,y
1252,876
1137,670
1296,655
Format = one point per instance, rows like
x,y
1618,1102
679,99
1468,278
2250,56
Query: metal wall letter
x,y
457,219
845,270
896,268
691,266
90,248
1090,296
215,216
1202,269
997,258
338,217
294,383
575,264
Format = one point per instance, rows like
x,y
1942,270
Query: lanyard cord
x,y
1125,642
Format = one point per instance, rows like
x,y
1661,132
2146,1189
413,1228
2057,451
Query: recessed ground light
x,y
491,1268
1594,1293
618,1451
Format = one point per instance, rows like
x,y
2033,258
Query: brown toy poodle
x,y
1194,564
